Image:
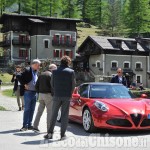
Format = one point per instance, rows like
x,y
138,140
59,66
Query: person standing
x,y
28,78
43,87
119,78
0,83
18,88
63,84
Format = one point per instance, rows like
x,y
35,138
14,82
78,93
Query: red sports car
x,y
107,105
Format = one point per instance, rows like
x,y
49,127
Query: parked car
x,y
108,105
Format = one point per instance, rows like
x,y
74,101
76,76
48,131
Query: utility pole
x,y
19,6
37,7
50,8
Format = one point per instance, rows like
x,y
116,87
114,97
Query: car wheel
x,y
88,124
59,116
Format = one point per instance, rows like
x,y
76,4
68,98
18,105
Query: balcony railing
x,y
5,43
139,69
18,42
62,43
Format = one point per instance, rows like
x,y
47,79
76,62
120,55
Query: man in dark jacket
x,y
119,78
28,78
63,84
43,87
18,88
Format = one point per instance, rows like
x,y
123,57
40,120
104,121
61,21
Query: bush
x,y
2,108
138,93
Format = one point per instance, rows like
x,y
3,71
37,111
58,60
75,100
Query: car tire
x,y
59,116
88,123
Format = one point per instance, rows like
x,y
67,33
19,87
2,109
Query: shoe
x,y
63,137
36,130
19,109
48,136
23,129
30,128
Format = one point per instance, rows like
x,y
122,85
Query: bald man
x,y
43,87
119,78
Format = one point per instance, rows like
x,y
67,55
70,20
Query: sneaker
x,y
23,129
36,130
30,128
63,137
48,136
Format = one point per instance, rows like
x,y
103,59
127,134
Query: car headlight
x,y
101,106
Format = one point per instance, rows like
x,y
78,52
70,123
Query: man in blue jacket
x,y
63,84
28,78
119,78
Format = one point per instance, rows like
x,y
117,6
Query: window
x,y
23,53
67,39
114,64
118,43
138,65
57,38
98,64
68,53
126,65
83,90
139,78
57,53
134,45
46,43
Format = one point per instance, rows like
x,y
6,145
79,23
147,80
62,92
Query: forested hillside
x,y
118,17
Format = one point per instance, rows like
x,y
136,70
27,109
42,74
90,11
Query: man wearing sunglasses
x,y
119,78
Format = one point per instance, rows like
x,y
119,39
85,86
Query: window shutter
x,y
54,38
61,39
54,53
64,52
64,39
60,53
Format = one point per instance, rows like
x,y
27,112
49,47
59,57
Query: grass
x,y
5,77
2,108
8,93
83,33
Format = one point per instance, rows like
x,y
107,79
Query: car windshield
x,y
110,91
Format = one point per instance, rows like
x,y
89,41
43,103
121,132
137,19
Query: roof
x,y
105,43
37,17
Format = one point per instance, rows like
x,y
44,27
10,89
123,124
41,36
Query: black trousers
x,y
56,104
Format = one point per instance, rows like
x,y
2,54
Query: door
x,y
76,105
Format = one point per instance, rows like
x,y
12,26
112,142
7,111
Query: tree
x,y
137,16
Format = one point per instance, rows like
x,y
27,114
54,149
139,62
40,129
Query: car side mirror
x,y
76,96
144,96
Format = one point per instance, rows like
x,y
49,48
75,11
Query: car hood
x,y
129,106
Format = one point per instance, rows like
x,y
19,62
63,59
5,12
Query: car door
x,y
76,105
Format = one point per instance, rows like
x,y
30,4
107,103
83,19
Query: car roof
x,y
101,83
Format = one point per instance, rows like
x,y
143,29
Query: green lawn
x,y
83,33
2,108
8,93
5,77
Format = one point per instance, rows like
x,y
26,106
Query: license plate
x,y
148,116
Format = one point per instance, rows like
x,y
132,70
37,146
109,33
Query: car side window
x,y
83,91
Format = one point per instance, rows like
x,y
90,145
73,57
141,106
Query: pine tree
x,y
137,16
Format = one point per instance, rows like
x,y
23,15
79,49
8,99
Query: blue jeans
x,y
29,107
